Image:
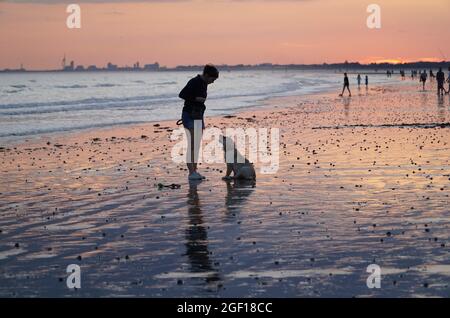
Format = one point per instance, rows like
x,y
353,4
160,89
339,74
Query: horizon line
x,y
152,66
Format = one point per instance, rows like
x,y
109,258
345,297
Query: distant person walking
x,y
448,81
367,81
440,77
359,80
346,86
194,95
423,79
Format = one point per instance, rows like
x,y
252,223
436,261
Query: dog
x,y
241,167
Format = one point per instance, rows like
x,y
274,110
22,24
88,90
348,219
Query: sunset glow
x,y
232,32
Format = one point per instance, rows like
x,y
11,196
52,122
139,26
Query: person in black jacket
x,y
448,81
194,95
346,85
440,77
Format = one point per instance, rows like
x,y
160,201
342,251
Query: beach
x,y
362,180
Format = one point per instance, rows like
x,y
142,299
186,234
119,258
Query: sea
x,y
33,104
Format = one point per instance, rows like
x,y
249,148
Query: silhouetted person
x,y
359,80
194,95
423,78
448,80
367,81
346,85
440,77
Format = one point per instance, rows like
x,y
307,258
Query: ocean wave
x,y
166,83
89,101
107,85
71,86
128,106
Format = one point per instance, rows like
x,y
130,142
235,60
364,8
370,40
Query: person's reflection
x,y
441,108
197,237
346,102
238,192
424,100
359,91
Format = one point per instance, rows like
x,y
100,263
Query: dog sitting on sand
x,y
240,166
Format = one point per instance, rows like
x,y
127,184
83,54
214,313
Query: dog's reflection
x,y
197,237
238,192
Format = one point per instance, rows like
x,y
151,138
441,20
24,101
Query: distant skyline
x,y
186,32
156,66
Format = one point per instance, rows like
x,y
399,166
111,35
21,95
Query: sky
x,y
184,32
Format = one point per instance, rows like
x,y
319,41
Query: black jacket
x,y
196,87
440,77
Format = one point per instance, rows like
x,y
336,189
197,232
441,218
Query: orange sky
x,y
222,31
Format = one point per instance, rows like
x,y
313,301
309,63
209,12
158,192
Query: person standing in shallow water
x,y
423,79
440,77
194,95
448,81
346,85
359,80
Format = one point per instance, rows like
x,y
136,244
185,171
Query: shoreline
x,y
266,104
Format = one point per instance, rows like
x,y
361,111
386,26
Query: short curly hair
x,y
211,71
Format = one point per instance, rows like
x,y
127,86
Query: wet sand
x,y
362,180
